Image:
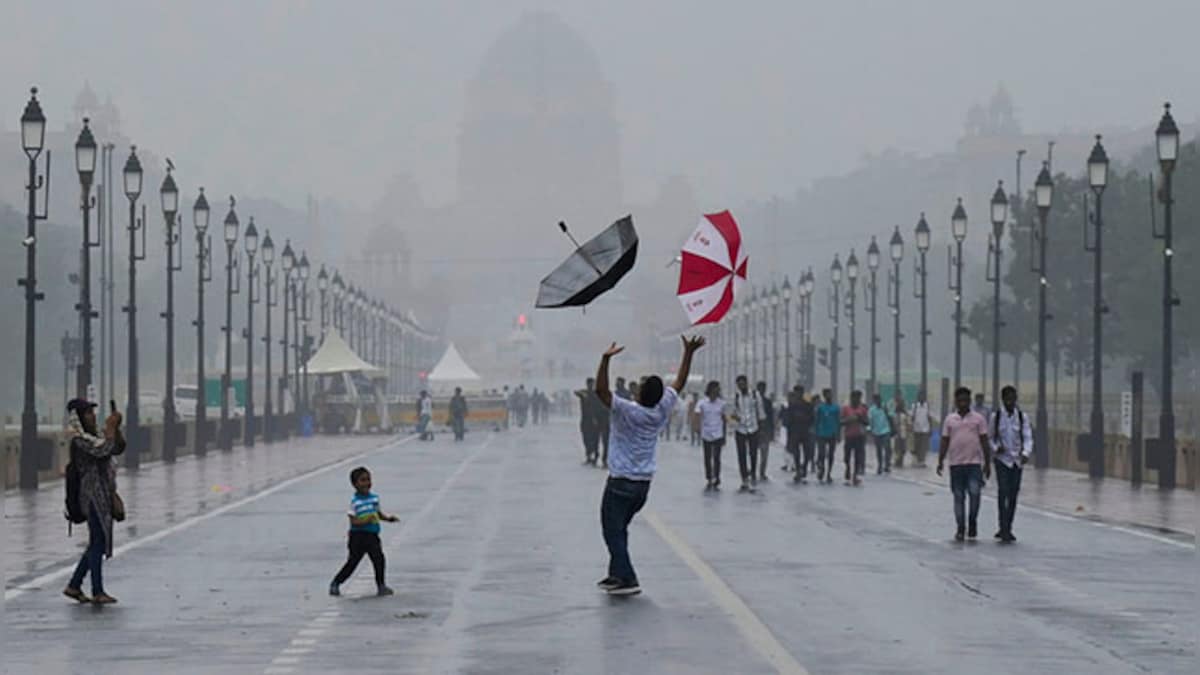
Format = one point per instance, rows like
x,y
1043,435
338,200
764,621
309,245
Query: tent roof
x,y
335,356
452,368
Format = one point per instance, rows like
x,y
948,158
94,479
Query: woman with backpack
x,y
92,493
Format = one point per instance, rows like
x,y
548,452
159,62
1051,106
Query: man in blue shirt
x,y
632,460
829,423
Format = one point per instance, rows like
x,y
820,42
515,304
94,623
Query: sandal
x,y
76,595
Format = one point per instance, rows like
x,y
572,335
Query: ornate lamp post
x,y
322,287
896,253
169,196
302,332
1167,142
786,294
132,175
1043,195
339,294
810,365
250,241
958,229
268,258
85,166
851,310
33,138
231,264
835,313
920,292
774,302
200,214
870,295
999,217
287,263
1097,178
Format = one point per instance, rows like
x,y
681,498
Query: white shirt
x,y
1015,438
712,419
427,406
633,438
748,409
920,417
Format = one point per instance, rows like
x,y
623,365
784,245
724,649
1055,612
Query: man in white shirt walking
x,y
1012,446
711,411
747,412
921,429
632,459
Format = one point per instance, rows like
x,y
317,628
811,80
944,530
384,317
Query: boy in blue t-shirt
x,y
364,533
829,416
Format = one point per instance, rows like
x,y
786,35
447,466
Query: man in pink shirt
x,y
965,440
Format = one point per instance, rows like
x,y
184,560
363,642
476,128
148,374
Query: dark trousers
x,y
460,428
591,443
360,544
800,447
1008,484
854,455
604,430
712,459
622,499
825,450
966,479
883,452
92,560
747,449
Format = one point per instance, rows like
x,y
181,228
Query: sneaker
x,y
608,582
1008,538
104,599
764,478
958,534
857,481
624,588
76,595
745,487
999,534
384,590
335,590
972,531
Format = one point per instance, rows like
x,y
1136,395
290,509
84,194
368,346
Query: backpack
x,y
72,512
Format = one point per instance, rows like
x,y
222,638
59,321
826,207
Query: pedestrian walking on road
x,y
710,415
900,420
855,420
965,442
92,473
363,539
881,432
766,431
797,420
828,427
425,416
635,429
1012,446
458,414
693,419
922,421
748,414
589,422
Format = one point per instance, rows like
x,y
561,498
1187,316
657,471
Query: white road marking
x,y
35,584
1064,517
304,641
751,627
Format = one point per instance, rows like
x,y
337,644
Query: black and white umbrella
x,y
593,268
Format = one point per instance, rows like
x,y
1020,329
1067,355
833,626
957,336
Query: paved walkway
x,y
160,495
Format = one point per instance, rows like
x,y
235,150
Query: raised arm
x,y
602,389
690,345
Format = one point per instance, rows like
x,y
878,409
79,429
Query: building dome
x,y
539,126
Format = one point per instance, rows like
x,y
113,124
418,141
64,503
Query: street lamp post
x,y
775,337
33,139
870,295
339,294
69,349
169,196
132,175
250,242
231,264
851,313
85,165
322,287
287,263
1097,178
1043,196
810,365
1167,142
268,258
305,340
999,217
896,253
920,292
786,294
751,314
835,314
200,215
958,229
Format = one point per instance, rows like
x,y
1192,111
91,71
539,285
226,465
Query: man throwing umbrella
x,y
632,458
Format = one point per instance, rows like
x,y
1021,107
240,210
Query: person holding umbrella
x,y
633,458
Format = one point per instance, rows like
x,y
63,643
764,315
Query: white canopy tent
x,y
452,369
335,356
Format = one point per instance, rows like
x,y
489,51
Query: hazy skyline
x,y
279,99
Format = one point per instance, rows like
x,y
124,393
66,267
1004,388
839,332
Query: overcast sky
x,y
279,98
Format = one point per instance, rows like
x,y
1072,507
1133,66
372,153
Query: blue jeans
x,y
622,499
93,558
966,479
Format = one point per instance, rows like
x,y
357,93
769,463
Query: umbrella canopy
x,y
712,268
593,268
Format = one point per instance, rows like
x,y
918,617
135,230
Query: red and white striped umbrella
x,y
712,268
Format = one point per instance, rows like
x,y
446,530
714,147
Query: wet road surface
x,y
498,549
